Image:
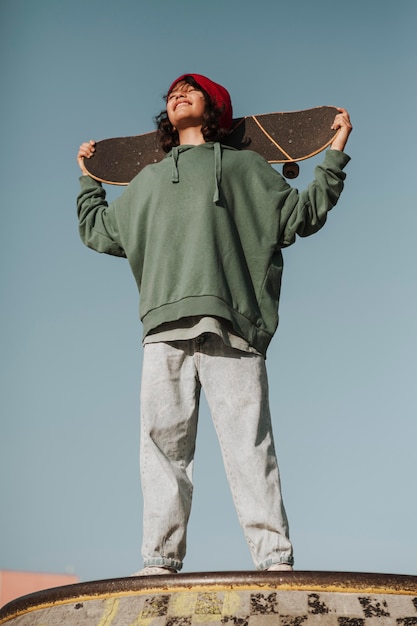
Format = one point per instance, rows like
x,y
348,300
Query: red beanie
x,y
218,94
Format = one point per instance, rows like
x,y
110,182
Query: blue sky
x,y
342,366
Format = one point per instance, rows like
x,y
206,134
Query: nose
x,y
179,94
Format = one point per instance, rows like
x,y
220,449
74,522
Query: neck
x,y
191,136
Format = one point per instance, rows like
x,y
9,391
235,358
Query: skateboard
x,y
279,137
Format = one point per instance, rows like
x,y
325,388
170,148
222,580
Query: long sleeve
x,y
97,223
304,213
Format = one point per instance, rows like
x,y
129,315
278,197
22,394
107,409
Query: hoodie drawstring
x,y
175,175
217,171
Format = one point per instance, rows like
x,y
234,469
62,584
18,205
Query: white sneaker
x,y
280,567
153,570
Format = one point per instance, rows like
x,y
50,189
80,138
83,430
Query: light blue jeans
x,y
236,388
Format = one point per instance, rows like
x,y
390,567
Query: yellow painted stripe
x,y
111,606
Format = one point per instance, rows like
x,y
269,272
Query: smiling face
x,y
185,106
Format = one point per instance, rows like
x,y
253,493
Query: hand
x,y
86,151
341,123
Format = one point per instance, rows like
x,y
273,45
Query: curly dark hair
x,y
168,136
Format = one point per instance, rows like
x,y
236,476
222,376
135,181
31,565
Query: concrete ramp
x,y
224,598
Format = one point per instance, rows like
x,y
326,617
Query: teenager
x,y
203,232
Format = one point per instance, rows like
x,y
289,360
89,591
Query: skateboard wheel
x,y
290,170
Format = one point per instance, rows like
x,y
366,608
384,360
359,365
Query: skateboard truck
x,y
291,169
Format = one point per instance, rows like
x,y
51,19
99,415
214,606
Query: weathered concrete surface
x,y
234,598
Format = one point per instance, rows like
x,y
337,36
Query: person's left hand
x,y
343,124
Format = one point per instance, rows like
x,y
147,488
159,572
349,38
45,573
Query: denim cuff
x,y
162,562
288,560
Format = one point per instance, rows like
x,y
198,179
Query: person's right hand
x,y
85,152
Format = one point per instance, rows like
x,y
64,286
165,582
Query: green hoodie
x,y
203,231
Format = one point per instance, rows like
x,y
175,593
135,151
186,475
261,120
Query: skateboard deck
x,y
279,137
